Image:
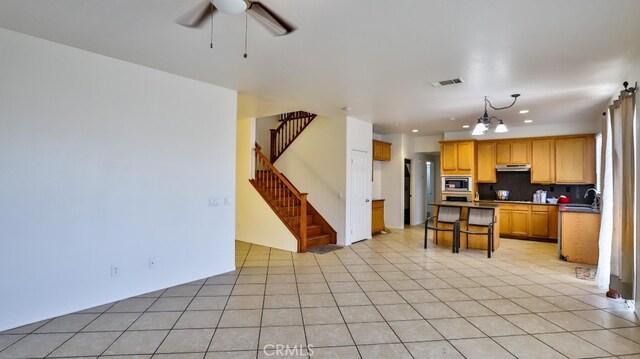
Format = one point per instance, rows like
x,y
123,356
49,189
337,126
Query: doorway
x,y
360,205
407,192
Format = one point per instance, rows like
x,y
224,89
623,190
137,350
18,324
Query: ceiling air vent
x,y
459,80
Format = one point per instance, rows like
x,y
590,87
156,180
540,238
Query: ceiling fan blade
x,y
272,22
197,15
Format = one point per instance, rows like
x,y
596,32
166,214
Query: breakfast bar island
x,y
475,241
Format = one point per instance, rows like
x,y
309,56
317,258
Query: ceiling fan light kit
x,y
484,122
266,17
231,7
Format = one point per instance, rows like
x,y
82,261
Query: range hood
x,y
513,168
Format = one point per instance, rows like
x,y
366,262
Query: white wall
x,y
316,163
418,191
106,163
427,143
392,182
359,137
554,129
256,222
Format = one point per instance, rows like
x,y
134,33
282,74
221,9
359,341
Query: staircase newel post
x,y
272,146
303,222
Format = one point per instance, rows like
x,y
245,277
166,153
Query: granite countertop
x,y
516,202
466,204
578,208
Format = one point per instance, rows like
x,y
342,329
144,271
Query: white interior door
x,y
360,211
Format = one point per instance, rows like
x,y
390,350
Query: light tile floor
x,y
383,298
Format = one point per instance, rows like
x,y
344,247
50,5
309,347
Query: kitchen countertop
x,y
516,202
578,208
466,204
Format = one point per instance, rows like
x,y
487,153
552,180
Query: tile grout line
x,y
336,302
228,298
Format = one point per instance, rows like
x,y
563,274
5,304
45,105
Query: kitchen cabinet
x,y
505,220
539,221
486,151
553,222
520,220
543,161
513,152
579,237
528,220
457,157
381,151
575,160
377,216
515,219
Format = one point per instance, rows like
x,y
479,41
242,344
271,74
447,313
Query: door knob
x,y
366,200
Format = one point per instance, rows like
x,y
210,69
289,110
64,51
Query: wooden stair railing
x,y
291,125
291,206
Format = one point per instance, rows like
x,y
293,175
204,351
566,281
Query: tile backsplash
x,y
521,189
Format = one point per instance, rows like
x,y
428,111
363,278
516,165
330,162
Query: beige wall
x,y
316,163
255,220
263,133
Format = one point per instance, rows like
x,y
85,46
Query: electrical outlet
x,y
152,263
227,201
115,271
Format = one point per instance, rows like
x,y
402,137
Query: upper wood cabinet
x,y
457,157
513,152
381,151
486,151
575,160
543,161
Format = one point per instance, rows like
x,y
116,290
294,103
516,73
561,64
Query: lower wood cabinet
x,y
579,237
539,222
529,220
377,216
520,220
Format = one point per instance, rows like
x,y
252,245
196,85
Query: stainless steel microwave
x,y
457,184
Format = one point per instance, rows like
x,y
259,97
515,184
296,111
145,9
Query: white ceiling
x,y
567,58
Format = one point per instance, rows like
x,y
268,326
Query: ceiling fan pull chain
x,y
211,43
245,34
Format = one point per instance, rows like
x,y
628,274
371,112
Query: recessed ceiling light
x,y
414,131
524,111
346,108
465,126
528,121
396,124
452,118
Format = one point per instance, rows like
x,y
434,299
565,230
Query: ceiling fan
x,y
267,18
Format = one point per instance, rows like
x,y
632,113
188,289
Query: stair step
x,y
295,221
318,240
313,229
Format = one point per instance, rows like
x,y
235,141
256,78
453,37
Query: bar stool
x,y
448,215
481,217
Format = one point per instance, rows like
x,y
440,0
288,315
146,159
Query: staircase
x,y
304,221
291,126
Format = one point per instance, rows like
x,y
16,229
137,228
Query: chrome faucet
x,y
596,197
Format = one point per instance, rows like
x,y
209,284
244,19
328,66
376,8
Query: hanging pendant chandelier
x,y
484,122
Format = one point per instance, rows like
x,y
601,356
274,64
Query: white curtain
x,y
606,224
617,237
